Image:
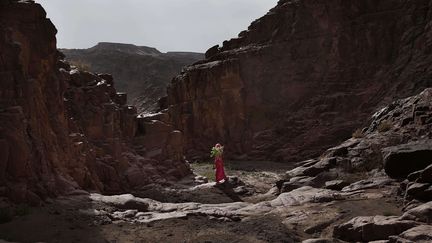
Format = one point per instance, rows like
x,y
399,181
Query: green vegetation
x,y
216,152
204,169
210,174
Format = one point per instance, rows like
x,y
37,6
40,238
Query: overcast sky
x,y
168,25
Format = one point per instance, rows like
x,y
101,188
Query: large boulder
x,y
421,233
370,228
422,213
422,191
125,201
306,194
401,160
425,176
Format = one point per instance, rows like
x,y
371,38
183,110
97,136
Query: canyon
x,y
63,129
324,107
141,72
302,78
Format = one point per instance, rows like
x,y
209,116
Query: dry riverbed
x,y
191,212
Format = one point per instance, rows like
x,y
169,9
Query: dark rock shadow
x,y
59,220
228,190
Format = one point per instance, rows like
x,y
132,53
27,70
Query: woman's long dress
x,y
220,172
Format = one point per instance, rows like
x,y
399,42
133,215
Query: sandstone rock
x,y
342,149
297,182
212,51
369,228
414,176
306,194
66,129
240,95
320,240
242,190
421,233
130,66
200,179
234,181
426,175
313,169
126,201
336,185
401,160
124,214
422,213
368,183
422,191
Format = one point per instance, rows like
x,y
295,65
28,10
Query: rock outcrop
x,y
142,72
370,228
402,160
62,129
303,77
389,159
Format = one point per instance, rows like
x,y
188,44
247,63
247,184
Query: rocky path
x,y
205,213
192,210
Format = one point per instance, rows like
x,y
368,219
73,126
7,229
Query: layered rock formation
x,y
351,193
303,77
391,156
142,72
62,129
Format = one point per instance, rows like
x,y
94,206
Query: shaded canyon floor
x,y
196,211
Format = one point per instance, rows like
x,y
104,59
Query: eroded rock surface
x,y
142,72
62,129
372,228
303,77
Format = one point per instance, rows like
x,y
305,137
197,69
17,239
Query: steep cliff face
x,y
62,129
303,77
142,72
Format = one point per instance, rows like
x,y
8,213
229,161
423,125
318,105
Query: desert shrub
x,y
358,133
385,126
210,174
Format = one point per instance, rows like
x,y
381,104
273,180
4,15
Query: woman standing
x,y
217,153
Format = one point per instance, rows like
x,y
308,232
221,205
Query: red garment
x,y
220,172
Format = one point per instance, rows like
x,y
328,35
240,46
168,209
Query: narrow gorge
x,y
303,77
140,71
324,107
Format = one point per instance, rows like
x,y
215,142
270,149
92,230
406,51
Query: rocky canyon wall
x,y
303,77
61,129
142,72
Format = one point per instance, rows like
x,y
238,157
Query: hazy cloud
x,y
169,25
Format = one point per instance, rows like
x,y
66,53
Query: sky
x,y
168,25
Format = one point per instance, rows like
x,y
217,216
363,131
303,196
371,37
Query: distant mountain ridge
x,y
126,48
141,71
